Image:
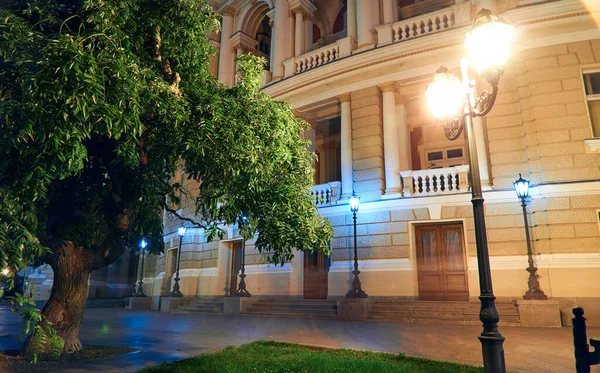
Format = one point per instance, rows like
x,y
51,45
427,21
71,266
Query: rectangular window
x,y
455,153
434,156
592,91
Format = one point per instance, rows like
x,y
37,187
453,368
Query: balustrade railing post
x,y
584,359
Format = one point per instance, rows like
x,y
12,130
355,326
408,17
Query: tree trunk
x,y
65,307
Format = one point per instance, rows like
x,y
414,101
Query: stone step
x,y
392,315
298,302
294,306
179,310
201,308
437,321
319,315
299,311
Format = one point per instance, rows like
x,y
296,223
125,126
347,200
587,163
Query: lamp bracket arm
x,y
485,101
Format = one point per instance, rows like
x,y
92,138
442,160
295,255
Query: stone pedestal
x,y
233,306
352,309
138,303
539,313
169,303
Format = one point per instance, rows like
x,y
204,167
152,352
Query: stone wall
x,y
540,119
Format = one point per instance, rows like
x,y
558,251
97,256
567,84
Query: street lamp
x,y
454,103
6,271
176,293
534,292
143,245
356,291
241,291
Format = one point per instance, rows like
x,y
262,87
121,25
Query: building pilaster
x,y
346,146
390,139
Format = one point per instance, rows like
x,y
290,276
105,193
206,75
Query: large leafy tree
x,y
101,102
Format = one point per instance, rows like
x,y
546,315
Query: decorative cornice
x,y
372,265
550,261
268,269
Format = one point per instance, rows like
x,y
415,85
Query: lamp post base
x,y
176,292
241,291
534,291
356,291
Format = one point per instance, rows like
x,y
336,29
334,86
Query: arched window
x,y
263,36
316,33
340,21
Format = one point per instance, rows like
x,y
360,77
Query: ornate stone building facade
x,y
357,70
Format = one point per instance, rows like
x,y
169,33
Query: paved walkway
x,y
167,337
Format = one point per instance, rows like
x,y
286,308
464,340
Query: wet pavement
x,y
164,337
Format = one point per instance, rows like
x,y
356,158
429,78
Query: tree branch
x,y
177,215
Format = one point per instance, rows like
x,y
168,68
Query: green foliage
x,y
44,338
101,102
268,356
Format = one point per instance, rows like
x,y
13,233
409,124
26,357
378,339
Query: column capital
x,y
344,97
228,11
304,6
387,87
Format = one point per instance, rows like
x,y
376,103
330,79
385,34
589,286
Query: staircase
x,y
293,308
463,313
202,305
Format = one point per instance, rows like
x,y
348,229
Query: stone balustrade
x,y
326,194
438,181
332,52
422,25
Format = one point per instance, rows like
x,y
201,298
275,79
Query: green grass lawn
x,y
267,356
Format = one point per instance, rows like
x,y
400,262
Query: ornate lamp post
x,y
140,291
241,291
534,292
453,102
176,293
356,291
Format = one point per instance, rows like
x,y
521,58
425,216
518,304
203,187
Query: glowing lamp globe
x,y
143,243
522,187
354,202
181,231
489,44
5,271
445,95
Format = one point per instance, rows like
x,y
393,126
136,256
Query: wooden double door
x,y
316,268
441,263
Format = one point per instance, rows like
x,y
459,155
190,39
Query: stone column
x,y
271,15
482,153
403,136
290,35
239,50
308,34
299,32
365,9
346,146
226,51
281,24
351,17
390,140
388,11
